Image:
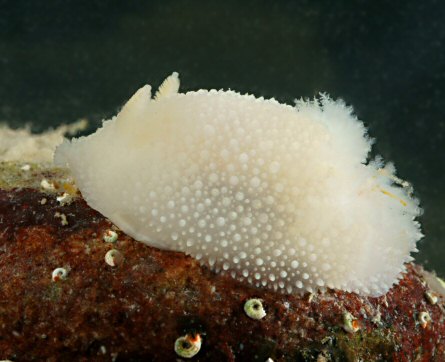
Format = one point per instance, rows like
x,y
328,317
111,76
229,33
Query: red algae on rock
x,y
137,309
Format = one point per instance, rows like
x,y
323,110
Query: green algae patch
x,y
39,176
373,346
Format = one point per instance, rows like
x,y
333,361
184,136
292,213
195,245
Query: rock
x,y
138,306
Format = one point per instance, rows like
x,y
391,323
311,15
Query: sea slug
x,y
277,196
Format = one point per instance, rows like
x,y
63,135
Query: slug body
x,y
277,196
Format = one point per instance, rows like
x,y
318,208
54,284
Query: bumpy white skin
x,y
276,196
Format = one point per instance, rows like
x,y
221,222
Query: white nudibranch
x,y
276,196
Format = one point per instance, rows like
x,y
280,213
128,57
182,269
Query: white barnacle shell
x,y
277,196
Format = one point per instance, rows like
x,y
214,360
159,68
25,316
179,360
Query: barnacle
x,y
350,323
113,257
431,297
59,274
424,319
110,236
254,308
188,346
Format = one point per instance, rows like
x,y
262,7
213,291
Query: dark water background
x,y
63,60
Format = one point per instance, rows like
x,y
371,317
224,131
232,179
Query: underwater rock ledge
x,y
74,287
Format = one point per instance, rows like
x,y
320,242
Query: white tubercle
x,y
277,196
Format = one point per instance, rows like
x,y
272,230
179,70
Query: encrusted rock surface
x,y
136,309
